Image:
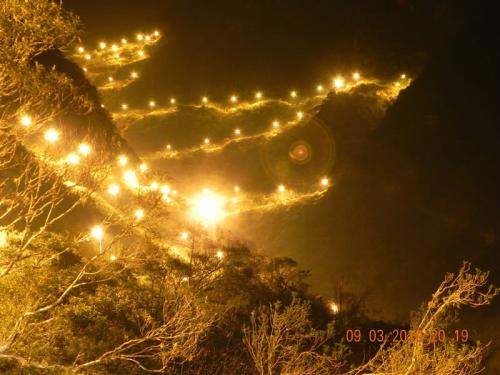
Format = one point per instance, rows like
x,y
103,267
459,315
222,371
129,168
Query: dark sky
x,y
222,46
416,193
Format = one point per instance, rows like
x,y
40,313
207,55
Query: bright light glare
x,y
123,160
356,76
293,94
130,178
84,149
51,135
325,182
276,124
26,120
219,254
143,167
334,308
281,188
237,131
184,235
208,207
73,159
258,95
97,232
114,189
338,83
139,214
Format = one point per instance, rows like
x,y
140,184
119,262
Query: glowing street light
x,y
140,37
356,76
184,235
219,254
124,41
114,48
124,106
334,308
276,124
110,79
26,120
208,208
237,131
130,179
98,233
204,100
403,76
51,135
140,53
165,190
169,147
325,182
233,99
293,94
134,74
113,258
143,167
206,141
122,160
139,214
152,104
338,82
81,49
281,188
300,115
156,33
114,189
102,45
73,159
84,149
88,57
237,189
319,88
172,101
154,186
258,95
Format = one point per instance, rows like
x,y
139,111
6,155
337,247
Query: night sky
x,y
415,188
